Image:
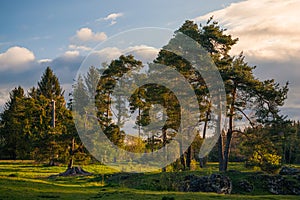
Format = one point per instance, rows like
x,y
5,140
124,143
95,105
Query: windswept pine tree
x,y
243,90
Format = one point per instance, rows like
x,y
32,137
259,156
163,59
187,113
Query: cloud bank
x,y
16,58
267,29
269,36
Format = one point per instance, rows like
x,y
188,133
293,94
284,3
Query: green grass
x,y
28,180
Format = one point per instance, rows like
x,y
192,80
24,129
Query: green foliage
x,y
104,97
13,130
27,129
49,85
267,162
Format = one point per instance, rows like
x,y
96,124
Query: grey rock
x,y
214,183
246,186
284,186
289,171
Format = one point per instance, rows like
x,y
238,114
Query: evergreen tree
x,y
104,98
49,85
13,127
243,90
91,81
80,97
52,110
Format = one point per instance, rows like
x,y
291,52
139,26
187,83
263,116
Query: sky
x,y
36,34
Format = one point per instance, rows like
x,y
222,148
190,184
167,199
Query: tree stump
x,y
74,171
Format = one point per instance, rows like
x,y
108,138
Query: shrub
x,y
268,162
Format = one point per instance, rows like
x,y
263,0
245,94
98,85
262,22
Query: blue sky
x,y
45,27
35,34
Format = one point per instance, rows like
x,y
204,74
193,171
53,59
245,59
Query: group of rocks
x,y
287,182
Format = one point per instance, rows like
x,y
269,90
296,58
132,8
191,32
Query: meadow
x,y
30,180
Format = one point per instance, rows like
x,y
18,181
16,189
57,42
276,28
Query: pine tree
x,y
13,127
50,144
244,91
80,97
49,85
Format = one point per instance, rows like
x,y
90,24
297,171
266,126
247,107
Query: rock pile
x,y
214,183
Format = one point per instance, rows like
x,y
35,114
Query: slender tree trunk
x,y
227,149
53,116
70,165
164,134
220,141
203,160
182,158
107,110
220,153
139,126
229,133
189,157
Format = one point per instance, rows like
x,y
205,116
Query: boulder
x,y
214,183
276,184
289,171
284,186
245,186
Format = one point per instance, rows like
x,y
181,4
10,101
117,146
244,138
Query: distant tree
x,y
91,81
104,97
82,100
79,96
13,127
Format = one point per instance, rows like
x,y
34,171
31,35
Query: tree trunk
x,y
220,153
227,149
203,160
72,149
220,141
182,159
164,134
107,110
189,157
229,132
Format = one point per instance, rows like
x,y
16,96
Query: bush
x,y
267,162
194,165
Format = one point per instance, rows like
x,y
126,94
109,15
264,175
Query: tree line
x,y
269,140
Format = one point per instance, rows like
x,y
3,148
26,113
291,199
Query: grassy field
x,y
28,180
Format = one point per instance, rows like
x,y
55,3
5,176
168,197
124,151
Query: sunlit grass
x,y
30,180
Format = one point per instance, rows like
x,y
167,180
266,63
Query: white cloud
x,y
113,17
46,60
87,35
104,55
79,47
267,29
71,54
16,58
141,52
